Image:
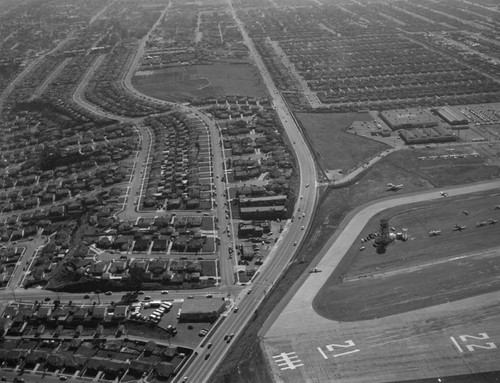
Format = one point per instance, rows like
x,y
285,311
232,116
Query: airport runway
x,y
456,338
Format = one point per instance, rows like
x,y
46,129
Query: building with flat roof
x,y
263,212
201,310
426,135
408,118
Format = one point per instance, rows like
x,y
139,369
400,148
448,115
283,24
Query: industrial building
x,y
427,135
451,116
408,118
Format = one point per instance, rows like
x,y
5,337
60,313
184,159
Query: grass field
x,y
423,271
185,83
336,148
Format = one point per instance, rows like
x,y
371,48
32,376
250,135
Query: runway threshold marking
x,y
289,361
472,347
331,348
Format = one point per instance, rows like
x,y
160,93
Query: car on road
x,y
295,243
140,292
62,377
164,291
209,345
235,310
249,291
108,293
147,298
302,227
207,356
307,185
86,296
47,299
184,379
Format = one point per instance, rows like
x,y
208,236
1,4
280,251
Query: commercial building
x,y
201,310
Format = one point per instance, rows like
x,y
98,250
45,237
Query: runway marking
x,y
289,360
456,344
472,347
331,348
322,353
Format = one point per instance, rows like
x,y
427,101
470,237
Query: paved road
x,y
248,301
30,249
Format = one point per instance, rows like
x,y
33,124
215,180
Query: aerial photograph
x,y
250,191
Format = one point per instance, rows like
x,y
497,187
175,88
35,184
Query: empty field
x,y
422,271
185,83
338,149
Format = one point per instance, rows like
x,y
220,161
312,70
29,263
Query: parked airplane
x,y
459,228
492,221
444,194
392,187
315,270
434,233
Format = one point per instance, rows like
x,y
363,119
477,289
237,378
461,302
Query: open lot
x,y
328,135
199,81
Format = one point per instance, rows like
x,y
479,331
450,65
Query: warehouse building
x,y
451,116
408,118
435,134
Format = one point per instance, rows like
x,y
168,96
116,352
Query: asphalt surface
x,y
299,329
